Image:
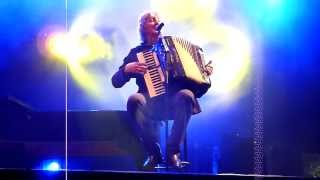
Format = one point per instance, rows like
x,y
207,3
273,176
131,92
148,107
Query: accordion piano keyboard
x,y
154,77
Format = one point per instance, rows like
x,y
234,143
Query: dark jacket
x,y
120,78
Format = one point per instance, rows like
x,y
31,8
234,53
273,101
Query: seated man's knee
x,y
185,94
136,99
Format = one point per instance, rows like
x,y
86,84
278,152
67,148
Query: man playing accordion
x,y
178,104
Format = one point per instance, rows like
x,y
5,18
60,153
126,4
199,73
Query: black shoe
x,y
151,162
154,159
175,161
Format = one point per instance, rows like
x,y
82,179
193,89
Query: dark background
x,y
289,67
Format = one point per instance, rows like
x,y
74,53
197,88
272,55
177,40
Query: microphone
x,y
159,27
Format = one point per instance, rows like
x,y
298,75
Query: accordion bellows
x,y
184,63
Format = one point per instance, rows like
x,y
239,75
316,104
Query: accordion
x,y
174,61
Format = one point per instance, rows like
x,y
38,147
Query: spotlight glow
x,y
274,3
232,57
80,47
52,166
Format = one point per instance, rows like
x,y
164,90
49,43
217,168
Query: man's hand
x,y
208,68
135,67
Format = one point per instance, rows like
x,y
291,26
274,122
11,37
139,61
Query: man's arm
x,y
127,70
120,78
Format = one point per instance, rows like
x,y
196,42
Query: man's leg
x,y
145,128
183,105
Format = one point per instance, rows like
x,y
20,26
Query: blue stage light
x,y
51,166
275,17
274,3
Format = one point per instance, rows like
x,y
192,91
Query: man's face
x,y
150,24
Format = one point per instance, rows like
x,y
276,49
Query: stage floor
x,y
37,174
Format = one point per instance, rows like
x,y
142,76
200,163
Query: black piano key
x,y
153,72
161,91
155,77
157,83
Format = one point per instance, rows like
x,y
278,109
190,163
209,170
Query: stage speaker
x,y
96,139
283,159
311,164
13,115
236,154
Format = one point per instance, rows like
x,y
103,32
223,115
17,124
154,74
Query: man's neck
x,y
150,40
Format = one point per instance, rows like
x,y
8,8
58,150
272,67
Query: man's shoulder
x,y
140,47
133,53
136,48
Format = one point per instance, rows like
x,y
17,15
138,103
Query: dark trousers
x,y
146,115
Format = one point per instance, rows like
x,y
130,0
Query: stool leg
x,y
166,137
185,148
